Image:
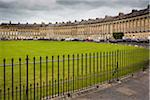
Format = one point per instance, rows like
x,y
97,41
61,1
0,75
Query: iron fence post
x,y
52,76
40,77
110,63
117,65
1,94
43,89
63,74
86,68
34,75
4,61
58,75
12,78
68,74
107,65
30,92
93,74
104,65
47,90
120,57
27,59
55,88
73,72
133,62
37,90
90,69
16,93
122,63
20,75
77,70
111,58
8,94
97,68
117,72
82,69
100,67
24,91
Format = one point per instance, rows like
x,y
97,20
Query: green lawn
x,y
104,60
16,49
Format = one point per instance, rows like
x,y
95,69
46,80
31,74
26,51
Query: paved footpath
x,y
134,88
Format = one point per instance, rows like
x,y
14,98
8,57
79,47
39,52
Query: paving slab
x,y
135,88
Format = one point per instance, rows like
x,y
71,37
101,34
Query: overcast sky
x,y
64,10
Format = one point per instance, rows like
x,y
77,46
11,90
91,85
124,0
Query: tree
x,y
118,35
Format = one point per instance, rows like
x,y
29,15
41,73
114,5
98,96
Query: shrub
x,y
118,35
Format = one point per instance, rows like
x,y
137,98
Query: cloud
x,y
64,10
106,3
27,4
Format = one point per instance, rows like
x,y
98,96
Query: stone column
x,y
142,24
128,26
125,26
134,25
115,27
120,26
103,28
131,26
138,25
147,24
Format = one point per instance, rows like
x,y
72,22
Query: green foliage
x,y
118,35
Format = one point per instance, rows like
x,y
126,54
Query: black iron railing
x,y
46,78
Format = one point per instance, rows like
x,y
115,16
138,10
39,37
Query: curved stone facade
x,y
135,25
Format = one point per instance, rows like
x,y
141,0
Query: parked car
x,y
143,41
127,40
102,40
96,40
67,39
119,40
113,41
88,40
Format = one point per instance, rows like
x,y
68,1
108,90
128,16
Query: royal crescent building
x,y
134,25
